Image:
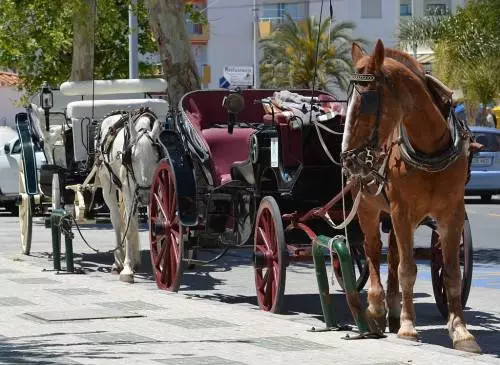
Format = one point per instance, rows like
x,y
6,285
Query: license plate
x,y
481,161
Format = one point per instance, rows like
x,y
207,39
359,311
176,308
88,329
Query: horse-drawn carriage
x,y
252,168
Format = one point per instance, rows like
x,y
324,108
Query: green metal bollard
x,y
60,223
56,241
338,246
323,287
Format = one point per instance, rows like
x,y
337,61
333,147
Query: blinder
x,y
370,102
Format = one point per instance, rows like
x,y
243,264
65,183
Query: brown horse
x,y
397,138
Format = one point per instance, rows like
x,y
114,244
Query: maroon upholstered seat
x,y
227,149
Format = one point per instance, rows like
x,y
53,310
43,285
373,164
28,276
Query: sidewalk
x,y
45,319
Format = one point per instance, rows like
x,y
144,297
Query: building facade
x,y
228,39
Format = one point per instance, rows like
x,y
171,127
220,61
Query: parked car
x,y
10,155
485,170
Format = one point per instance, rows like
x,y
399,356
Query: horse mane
x,y
441,94
406,60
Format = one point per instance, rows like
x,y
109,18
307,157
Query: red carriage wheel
x,y
269,256
165,230
360,265
437,271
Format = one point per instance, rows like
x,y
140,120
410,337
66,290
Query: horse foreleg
x,y
450,232
393,297
109,195
407,270
131,241
369,223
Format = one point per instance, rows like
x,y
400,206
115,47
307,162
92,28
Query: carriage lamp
x,y
46,102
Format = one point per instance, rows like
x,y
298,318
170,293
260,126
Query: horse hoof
x,y
394,324
115,270
469,345
127,278
377,325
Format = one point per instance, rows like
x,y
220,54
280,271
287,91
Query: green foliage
x,y
466,46
36,39
289,54
468,50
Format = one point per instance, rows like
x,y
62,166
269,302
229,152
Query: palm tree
x,y
289,55
419,32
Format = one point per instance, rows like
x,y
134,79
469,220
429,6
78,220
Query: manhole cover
x,y
202,360
285,343
83,314
34,281
130,305
76,291
197,322
14,301
116,337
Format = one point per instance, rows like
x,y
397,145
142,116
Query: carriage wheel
x,y
465,268
166,232
270,256
360,265
25,213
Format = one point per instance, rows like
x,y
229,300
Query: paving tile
x,y
286,343
76,291
14,301
82,314
34,280
115,337
130,305
197,322
204,360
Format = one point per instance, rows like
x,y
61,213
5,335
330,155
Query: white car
x,y
10,155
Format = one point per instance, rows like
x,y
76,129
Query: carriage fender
x,y
182,168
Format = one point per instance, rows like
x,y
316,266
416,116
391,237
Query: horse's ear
x,y
356,53
378,54
155,132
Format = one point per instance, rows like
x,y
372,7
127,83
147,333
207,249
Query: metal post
x,y
338,246
133,64
56,241
323,287
256,70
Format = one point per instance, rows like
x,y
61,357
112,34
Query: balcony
x,y
198,33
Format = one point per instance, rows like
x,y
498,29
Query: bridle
x,y
129,145
370,153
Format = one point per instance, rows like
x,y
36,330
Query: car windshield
x,y
491,141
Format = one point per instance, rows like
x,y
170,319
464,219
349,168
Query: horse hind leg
x,y
376,312
393,297
450,233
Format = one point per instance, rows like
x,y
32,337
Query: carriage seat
x,y
228,150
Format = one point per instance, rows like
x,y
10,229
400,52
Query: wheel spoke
x,y
160,205
263,237
163,249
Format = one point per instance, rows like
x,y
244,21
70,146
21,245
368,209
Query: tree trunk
x,y
167,21
83,41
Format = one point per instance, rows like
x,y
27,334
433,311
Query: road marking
x,y
494,215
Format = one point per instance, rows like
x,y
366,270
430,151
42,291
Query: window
x,y
371,8
436,9
276,12
491,141
405,9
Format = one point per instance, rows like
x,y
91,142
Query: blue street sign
x,y
223,83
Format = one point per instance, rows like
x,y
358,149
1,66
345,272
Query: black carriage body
x,y
232,172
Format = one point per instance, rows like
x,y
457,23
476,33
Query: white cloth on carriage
x,y
297,109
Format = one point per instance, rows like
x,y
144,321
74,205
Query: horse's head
x,y
144,154
370,115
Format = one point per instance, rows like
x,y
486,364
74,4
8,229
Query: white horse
x,y
128,160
